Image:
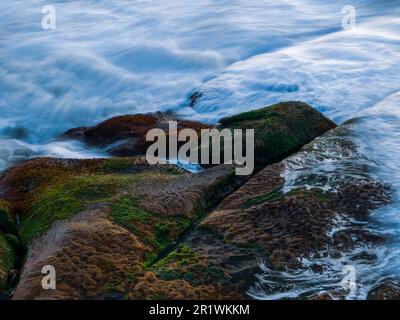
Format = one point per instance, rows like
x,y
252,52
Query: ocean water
x,y
112,57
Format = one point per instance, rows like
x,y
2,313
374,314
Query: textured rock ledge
x,y
107,225
290,212
100,222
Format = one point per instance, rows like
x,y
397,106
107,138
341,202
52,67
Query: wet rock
x,y
323,296
364,256
7,253
287,212
121,228
317,268
359,199
349,238
100,222
386,290
280,129
126,135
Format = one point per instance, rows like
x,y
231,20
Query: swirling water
x,y
110,57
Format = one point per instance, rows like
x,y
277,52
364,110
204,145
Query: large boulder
x,y
311,206
101,222
110,226
280,129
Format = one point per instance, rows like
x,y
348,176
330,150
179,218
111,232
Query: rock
x,y
121,228
285,213
386,290
6,261
324,296
7,253
365,256
280,129
100,222
126,135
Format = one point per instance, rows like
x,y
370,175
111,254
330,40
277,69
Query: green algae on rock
x,y
110,226
101,222
279,217
280,129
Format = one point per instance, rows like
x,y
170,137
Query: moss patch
x,y
272,196
185,264
66,198
126,213
117,165
152,229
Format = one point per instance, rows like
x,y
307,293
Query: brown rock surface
x,y
280,130
120,228
285,213
101,222
126,135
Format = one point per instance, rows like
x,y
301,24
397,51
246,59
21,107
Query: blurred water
x,y
110,57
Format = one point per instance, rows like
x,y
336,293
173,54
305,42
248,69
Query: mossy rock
x,y
6,261
155,230
284,215
15,243
280,129
186,264
65,197
103,222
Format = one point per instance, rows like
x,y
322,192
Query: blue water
x,y
111,57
